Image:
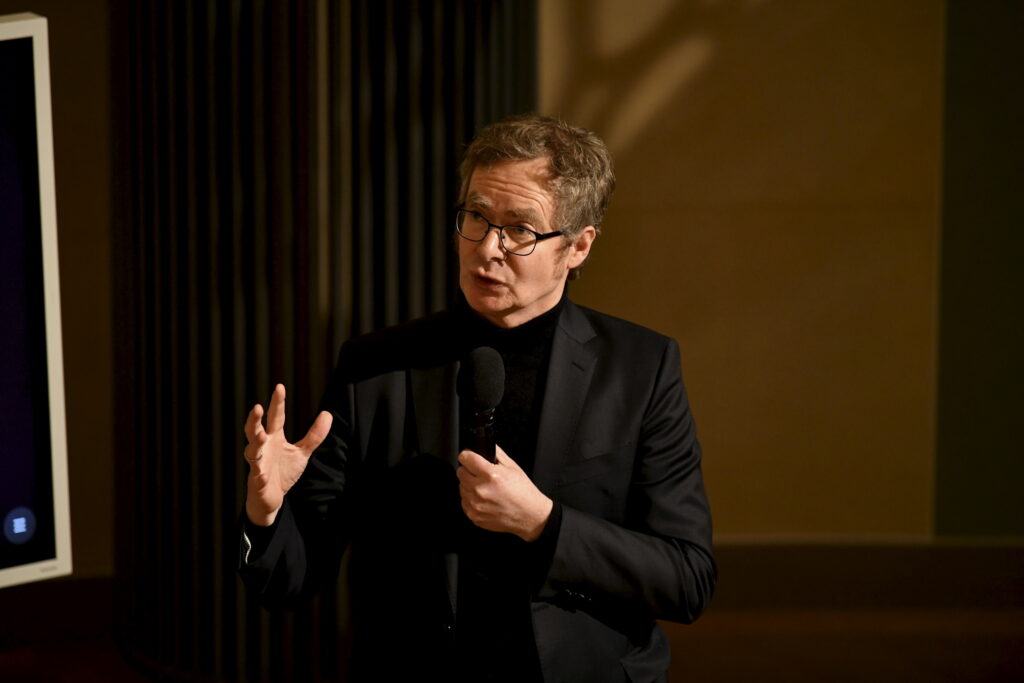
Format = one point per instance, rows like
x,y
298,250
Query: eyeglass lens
x,y
514,239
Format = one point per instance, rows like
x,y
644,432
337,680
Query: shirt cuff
x,y
255,539
542,551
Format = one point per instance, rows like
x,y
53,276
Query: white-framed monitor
x,y
35,542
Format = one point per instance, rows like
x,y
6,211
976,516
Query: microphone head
x,y
481,378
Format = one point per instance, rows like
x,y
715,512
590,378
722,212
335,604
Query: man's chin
x,y
486,305
493,308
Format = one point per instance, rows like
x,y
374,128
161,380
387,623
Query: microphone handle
x,y
483,434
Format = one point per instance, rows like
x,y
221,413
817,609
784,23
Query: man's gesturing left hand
x,y
500,497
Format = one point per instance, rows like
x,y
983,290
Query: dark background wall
x,y
980,451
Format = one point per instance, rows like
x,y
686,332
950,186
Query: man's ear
x,y
580,247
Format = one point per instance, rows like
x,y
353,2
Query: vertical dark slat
x,y
363,282
479,107
127,78
201,342
277,641
249,341
334,622
175,583
309,140
503,60
388,143
209,413
190,346
185,348
487,60
255,329
143,349
343,175
526,59
150,385
223,27
249,328
458,53
127,251
158,384
442,93
300,60
177,504
320,184
416,287
375,229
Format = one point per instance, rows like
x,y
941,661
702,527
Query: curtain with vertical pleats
x,y
285,174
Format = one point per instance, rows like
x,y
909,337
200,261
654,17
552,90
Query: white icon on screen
x,y
19,525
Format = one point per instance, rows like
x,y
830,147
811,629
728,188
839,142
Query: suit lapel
x,y
569,373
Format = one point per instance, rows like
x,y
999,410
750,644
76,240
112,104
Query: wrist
x,y
260,517
533,532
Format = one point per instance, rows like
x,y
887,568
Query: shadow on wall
x,y
777,212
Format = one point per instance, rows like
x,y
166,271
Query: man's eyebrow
x,y
527,215
478,200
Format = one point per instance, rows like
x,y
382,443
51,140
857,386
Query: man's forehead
x,y
538,170
476,200
534,170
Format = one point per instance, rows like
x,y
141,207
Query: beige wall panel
x,y
777,212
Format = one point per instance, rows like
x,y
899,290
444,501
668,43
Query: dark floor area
x,y
936,646
876,621
728,646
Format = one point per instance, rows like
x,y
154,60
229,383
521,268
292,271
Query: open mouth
x,y
487,281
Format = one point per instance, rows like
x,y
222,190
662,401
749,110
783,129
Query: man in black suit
x,y
554,562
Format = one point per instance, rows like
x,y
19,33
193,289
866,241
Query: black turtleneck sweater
x,y
525,351
499,572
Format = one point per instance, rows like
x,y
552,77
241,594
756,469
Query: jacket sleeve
x,y
657,563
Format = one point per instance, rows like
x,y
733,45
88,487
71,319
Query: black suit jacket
x,y
616,446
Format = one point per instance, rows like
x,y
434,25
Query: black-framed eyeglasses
x,y
515,239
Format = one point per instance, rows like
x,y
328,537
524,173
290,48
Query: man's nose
x,y
490,247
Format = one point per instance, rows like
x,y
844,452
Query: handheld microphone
x,y
481,382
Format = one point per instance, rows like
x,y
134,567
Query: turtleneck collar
x,y
535,331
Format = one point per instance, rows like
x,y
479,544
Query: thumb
x,y
317,433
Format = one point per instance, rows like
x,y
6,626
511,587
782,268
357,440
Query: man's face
x,y
507,289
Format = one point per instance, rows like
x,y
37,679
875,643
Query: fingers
x,y
475,463
465,477
275,414
256,438
253,455
317,433
254,425
503,458
473,509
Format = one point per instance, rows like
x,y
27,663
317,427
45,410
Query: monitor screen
x,y
35,542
